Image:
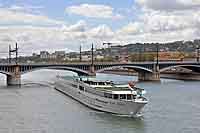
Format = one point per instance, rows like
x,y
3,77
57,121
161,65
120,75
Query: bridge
x,y
147,71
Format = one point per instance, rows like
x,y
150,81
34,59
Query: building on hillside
x,y
99,57
34,55
52,56
44,54
60,54
72,56
86,57
124,55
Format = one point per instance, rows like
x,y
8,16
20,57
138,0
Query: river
x,y
174,107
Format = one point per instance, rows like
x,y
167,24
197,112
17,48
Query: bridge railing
x,y
99,63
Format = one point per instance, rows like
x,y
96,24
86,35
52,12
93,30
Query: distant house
x,y
59,54
72,56
44,54
86,57
74,59
34,55
53,56
99,57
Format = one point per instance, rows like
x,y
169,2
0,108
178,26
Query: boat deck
x,y
113,88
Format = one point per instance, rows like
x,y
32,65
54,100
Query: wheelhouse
x,y
120,95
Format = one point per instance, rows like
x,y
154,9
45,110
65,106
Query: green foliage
x,y
147,56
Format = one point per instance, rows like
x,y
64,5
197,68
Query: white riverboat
x,y
103,96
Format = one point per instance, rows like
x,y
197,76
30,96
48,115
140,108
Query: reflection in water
x,y
120,121
36,107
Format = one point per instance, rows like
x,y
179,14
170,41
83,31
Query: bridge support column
x,y
15,78
92,71
147,76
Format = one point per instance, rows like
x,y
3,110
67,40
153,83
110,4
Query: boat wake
x,y
138,115
130,116
40,84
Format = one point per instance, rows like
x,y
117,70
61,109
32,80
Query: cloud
x,y
162,21
101,32
93,11
162,27
19,16
34,38
80,26
35,32
168,5
26,8
76,31
155,21
133,28
81,31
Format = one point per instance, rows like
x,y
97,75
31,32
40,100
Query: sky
x,y
66,24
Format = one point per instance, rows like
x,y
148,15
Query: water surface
x,y
37,108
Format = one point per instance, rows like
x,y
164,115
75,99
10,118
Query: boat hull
x,y
100,103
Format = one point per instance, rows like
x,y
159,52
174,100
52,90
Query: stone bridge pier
x,y
92,71
15,77
150,76
147,76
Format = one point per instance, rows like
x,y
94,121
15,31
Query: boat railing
x,y
91,90
142,98
102,93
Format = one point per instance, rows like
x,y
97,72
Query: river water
x,y
174,107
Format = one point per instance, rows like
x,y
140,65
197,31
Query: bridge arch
x,y
5,73
136,68
76,70
195,68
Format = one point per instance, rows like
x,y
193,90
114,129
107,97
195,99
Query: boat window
x,y
73,85
81,88
128,96
122,96
101,83
116,96
108,95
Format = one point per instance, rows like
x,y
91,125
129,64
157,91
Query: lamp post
x,y
16,52
13,51
80,54
9,56
157,56
92,55
198,48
